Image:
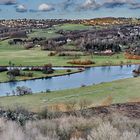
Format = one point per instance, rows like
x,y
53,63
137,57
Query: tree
x,y
11,77
47,69
20,91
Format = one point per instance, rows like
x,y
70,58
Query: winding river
x,y
90,76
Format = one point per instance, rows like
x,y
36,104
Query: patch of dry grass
x,y
113,127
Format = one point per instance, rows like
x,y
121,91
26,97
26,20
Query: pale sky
x,y
68,9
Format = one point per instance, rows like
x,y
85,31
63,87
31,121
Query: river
x,y
90,76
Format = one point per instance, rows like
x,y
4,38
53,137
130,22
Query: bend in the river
x,y
90,76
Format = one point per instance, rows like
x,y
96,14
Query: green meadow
x,y
34,57
120,91
51,32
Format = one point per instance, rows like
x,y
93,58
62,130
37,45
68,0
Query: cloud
x,y
66,4
93,5
117,3
21,8
88,5
8,2
45,7
135,6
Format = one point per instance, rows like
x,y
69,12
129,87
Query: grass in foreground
x,y
121,91
112,127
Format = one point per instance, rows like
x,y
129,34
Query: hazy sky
x,y
70,9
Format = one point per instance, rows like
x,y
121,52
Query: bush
x,y
14,72
69,70
18,114
52,53
76,55
131,56
23,91
79,62
113,127
47,69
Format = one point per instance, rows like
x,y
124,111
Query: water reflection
x,y
12,84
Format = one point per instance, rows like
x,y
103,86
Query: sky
x,y
68,9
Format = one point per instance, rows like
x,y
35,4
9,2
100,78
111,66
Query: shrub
x,y
29,45
69,70
104,131
20,91
52,53
47,69
113,127
11,77
83,85
10,131
131,56
14,72
48,90
70,54
79,62
45,113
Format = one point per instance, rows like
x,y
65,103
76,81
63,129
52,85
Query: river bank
x,y
39,75
120,91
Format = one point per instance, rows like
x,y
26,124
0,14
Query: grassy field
x,y
5,47
19,56
47,33
120,91
36,74
72,27
51,32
